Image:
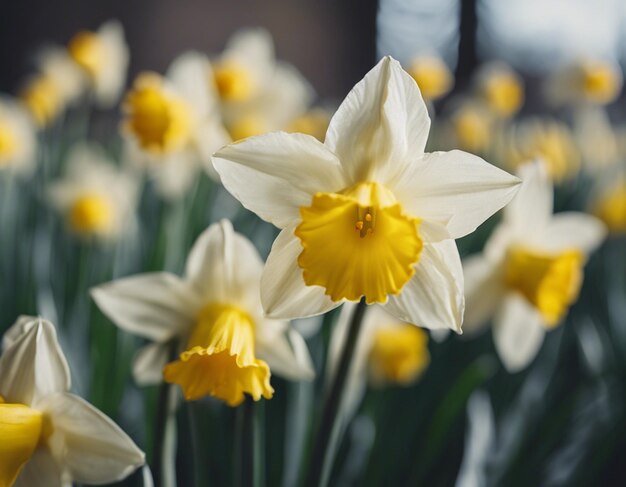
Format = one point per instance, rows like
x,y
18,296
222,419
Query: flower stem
x,y
321,460
249,472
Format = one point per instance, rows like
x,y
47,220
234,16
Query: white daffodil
x,y
501,88
585,82
18,143
388,352
432,75
172,124
103,57
48,436
228,346
366,213
57,84
531,270
95,198
258,93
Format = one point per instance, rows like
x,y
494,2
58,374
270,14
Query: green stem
x,y
321,461
248,473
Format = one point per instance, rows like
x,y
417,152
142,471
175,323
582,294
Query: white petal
x,y
175,174
433,298
518,332
17,329
41,470
87,444
210,136
283,291
149,362
382,123
455,189
156,305
531,209
252,49
484,289
572,230
224,266
275,174
34,365
188,74
284,351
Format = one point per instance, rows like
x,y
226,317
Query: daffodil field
x,y
213,277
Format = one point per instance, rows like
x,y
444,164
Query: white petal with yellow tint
x,y
381,124
224,266
287,170
34,365
433,298
531,209
149,362
572,230
283,291
518,332
253,49
91,447
484,290
454,189
156,305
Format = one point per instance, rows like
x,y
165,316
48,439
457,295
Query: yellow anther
x,y
359,225
368,217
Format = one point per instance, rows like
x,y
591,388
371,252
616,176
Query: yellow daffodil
x,y
172,124
258,94
17,139
103,57
432,75
228,347
47,435
366,213
96,199
531,270
501,88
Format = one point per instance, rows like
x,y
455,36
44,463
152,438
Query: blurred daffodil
x,y
531,270
57,84
388,352
432,75
17,139
314,122
366,213
258,94
229,348
501,88
172,124
596,139
96,199
610,206
472,126
49,437
103,57
585,82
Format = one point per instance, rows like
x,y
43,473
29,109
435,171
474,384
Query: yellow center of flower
x,y
159,120
8,142
247,126
219,360
42,99
611,209
233,81
313,123
504,94
358,243
432,76
91,213
549,282
87,51
472,129
20,433
599,83
399,354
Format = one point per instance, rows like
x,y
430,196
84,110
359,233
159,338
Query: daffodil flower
x,y
609,204
501,88
366,213
96,199
103,58
258,93
17,139
432,75
229,348
48,436
388,352
531,270
172,124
